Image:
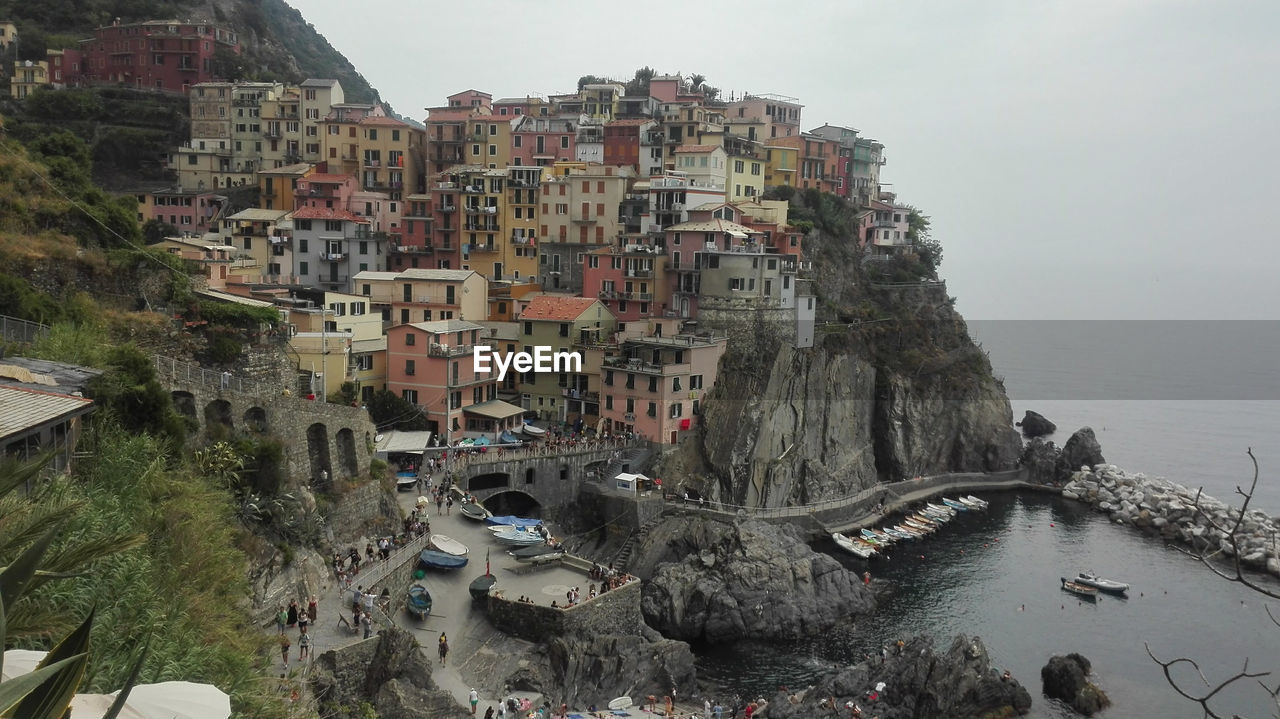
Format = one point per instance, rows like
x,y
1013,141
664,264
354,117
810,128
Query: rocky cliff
x,y
389,672
917,681
894,387
718,581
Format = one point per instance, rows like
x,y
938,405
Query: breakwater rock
x,y
1034,424
1168,508
919,681
719,581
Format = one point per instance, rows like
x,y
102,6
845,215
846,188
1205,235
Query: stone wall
x,y
553,480
615,612
368,510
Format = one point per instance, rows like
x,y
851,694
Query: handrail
x,y
13,329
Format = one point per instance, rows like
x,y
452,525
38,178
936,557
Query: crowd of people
x,y
295,616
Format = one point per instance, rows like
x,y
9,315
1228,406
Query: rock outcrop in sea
x,y
1161,506
719,581
919,681
1067,678
1034,424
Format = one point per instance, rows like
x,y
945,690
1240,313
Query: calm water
x,y
1182,400
978,571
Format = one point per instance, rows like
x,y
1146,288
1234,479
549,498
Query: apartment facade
x,y
655,385
538,141
565,324
156,54
578,212
333,245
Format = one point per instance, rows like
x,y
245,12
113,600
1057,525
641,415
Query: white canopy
x,y
166,700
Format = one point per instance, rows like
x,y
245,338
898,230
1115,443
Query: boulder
x,y
1067,678
388,672
1081,449
764,583
959,683
1034,424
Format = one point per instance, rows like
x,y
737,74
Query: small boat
x,y
406,481
877,536
471,510
512,521
511,535
974,502
1089,579
924,521
909,530
481,585
448,545
509,438
419,604
620,704
440,560
940,509
956,505
898,534
533,431
856,548
1080,590
537,552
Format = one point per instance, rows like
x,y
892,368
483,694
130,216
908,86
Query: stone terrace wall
x,y
614,612
367,510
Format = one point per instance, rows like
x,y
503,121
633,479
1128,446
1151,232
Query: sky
x,y
1083,159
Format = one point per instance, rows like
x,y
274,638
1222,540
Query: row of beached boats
x,y
867,543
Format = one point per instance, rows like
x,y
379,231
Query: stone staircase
x,y
632,458
622,560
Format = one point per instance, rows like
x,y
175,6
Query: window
x,y
608,377
608,401
475,150
493,149
695,381
739,166
564,329
304,225
677,409
303,269
409,395
675,384
653,384
515,141
564,142
410,339
409,366
653,409
528,326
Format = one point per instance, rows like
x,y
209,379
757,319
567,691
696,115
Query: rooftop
x,y
329,177
295,169
22,408
713,225
697,148
253,214
430,274
234,299
546,307
327,213
319,82
375,275
44,375
383,120
439,327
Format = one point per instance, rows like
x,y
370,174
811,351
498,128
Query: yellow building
x,y
601,100
424,295
488,142
387,148
27,77
276,186
780,165
483,209
744,176
327,370
564,324
251,231
8,33
369,366
519,255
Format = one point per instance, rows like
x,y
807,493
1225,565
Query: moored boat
x,y
858,549
481,585
940,509
537,552
898,533
877,535
620,703
440,560
419,604
974,502
1080,590
533,431
909,531
1110,586
955,504
470,510
511,521
448,545
406,481
511,535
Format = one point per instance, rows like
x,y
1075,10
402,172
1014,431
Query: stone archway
x,y
492,480
318,455
348,460
515,502
185,404
218,412
255,419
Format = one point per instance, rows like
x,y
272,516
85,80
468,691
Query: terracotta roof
x,y
327,213
328,177
545,307
383,120
697,148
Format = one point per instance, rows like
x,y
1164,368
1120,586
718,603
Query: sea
x,y
1181,400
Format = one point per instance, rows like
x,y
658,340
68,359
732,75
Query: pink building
x,y
671,88
191,211
630,281
431,365
322,189
543,141
655,387
155,55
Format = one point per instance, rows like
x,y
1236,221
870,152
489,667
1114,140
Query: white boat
x,y
979,503
517,537
533,431
448,545
955,504
1109,586
620,704
852,547
941,509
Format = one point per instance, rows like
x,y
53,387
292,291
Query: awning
x,y
494,409
401,441
739,235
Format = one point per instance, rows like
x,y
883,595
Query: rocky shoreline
x,y
1169,509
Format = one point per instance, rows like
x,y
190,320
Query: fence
x,y
463,457
174,370
13,329
399,555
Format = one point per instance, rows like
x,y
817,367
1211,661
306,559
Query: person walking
x,y
367,622
304,645
474,698
282,618
488,713
311,609
284,649
448,504
293,613
439,504
444,648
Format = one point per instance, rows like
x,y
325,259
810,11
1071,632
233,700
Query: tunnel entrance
x,y
514,502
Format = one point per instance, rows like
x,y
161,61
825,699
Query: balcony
x,y
584,220
333,256
314,192
445,186
272,133
372,163
639,272
572,393
889,224
481,227
518,240
279,240
473,209
473,189
624,295
437,350
413,249
448,208
482,249
629,417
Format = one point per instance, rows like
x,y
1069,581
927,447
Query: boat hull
x,y
448,545
1088,594
848,545
475,511
440,560
419,604
481,585
1102,585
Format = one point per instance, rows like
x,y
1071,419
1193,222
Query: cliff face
x,y
894,387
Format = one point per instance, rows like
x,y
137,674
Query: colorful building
x,y
64,67
28,77
190,212
489,142
778,115
781,163
630,280
819,161
156,54
254,232
635,143
564,324
890,229
518,243
447,128
330,246
702,164
578,212
278,186
540,141
656,384
432,365
671,196
424,295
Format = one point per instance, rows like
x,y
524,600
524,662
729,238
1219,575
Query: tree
x,y
696,81
130,390
1210,555
391,412
155,230
591,80
638,86
928,249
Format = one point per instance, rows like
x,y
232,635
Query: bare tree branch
x,y
1204,699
